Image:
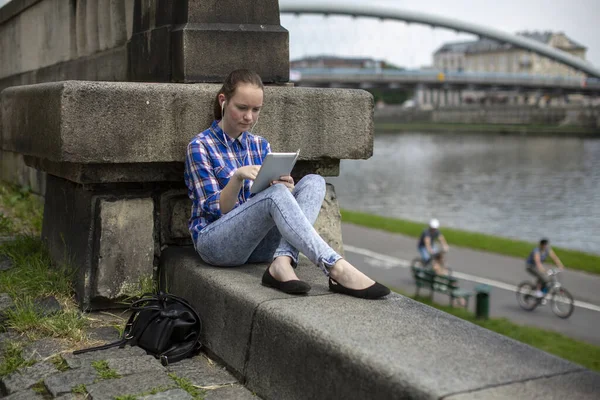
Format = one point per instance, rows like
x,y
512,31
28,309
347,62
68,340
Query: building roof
x,y
485,45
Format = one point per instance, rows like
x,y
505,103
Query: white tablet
x,y
273,167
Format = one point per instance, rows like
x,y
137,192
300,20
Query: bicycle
x,y
561,301
418,262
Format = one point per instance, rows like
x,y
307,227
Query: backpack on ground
x,y
164,325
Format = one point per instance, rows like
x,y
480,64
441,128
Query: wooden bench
x,y
448,285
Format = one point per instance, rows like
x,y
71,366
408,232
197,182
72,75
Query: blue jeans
x,y
275,222
425,256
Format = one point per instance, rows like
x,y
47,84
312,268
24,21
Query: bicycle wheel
x,y
526,296
562,302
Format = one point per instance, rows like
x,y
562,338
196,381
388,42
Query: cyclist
x,y
427,242
534,264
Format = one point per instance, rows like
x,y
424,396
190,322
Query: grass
x,y
188,387
455,237
79,389
551,342
104,371
386,127
12,359
22,209
32,277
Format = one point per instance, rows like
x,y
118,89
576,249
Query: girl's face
x,y
242,109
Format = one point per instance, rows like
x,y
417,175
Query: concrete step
x,y
326,346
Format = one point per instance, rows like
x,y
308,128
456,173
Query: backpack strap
x,y
120,343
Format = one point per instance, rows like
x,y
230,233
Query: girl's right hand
x,y
246,172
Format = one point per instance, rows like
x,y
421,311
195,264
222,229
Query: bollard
x,y
482,306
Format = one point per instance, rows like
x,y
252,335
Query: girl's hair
x,y
231,83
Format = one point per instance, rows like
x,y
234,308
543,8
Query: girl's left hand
x,y
287,180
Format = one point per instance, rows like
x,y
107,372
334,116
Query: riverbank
x,y
505,129
572,259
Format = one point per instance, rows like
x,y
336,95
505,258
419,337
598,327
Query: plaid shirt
x,y
211,159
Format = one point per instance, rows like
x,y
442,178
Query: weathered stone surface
x,y
235,392
584,385
260,47
63,382
52,121
132,384
126,246
36,34
5,264
135,365
172,394
104,333
24,395
200,372
325,336
46,306
175,211
85,359
227,319
44,348
27,377
69,213
329,222
6,303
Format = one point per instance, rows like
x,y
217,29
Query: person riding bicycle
x,y
535,266
429,236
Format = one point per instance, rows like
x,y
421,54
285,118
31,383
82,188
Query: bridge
x,y
432,85
394,79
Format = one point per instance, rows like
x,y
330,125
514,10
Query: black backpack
x,y
164,325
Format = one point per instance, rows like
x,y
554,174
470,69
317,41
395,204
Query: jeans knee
x,y
313,180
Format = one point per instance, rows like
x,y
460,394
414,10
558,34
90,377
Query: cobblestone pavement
x,y
122,374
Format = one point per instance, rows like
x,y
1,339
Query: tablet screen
x,y
274,166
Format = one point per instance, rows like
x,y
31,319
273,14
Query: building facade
x,y
486,55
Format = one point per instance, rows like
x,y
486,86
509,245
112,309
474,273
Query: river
x,y
512,186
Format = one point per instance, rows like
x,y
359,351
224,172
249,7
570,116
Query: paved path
x,y
385,257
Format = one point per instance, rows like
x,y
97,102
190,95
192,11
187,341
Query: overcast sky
x,y
412,46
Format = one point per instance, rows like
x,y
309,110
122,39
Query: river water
x,y
512,186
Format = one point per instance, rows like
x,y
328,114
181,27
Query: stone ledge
x,y
122,122
325,345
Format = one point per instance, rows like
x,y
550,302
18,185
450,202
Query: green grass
x,y
188,387
551,342
455,237
104,371
34,276
383,127
22,207
12,359
79,389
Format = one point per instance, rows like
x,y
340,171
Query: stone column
x,y
202,40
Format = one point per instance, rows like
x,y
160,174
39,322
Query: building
x,y
486,55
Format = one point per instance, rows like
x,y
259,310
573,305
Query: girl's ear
x,y
221,98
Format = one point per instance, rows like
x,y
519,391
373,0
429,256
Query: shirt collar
x,y
225,137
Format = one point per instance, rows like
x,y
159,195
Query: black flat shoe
x,y
290,287
374,291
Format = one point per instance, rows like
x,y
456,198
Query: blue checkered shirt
x,y
211,159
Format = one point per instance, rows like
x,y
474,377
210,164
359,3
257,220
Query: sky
x,y
412,45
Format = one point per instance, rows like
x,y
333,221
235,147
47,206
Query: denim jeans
x,y
275,222
425,256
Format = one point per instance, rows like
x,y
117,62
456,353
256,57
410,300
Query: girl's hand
x,y
246,172
287,180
